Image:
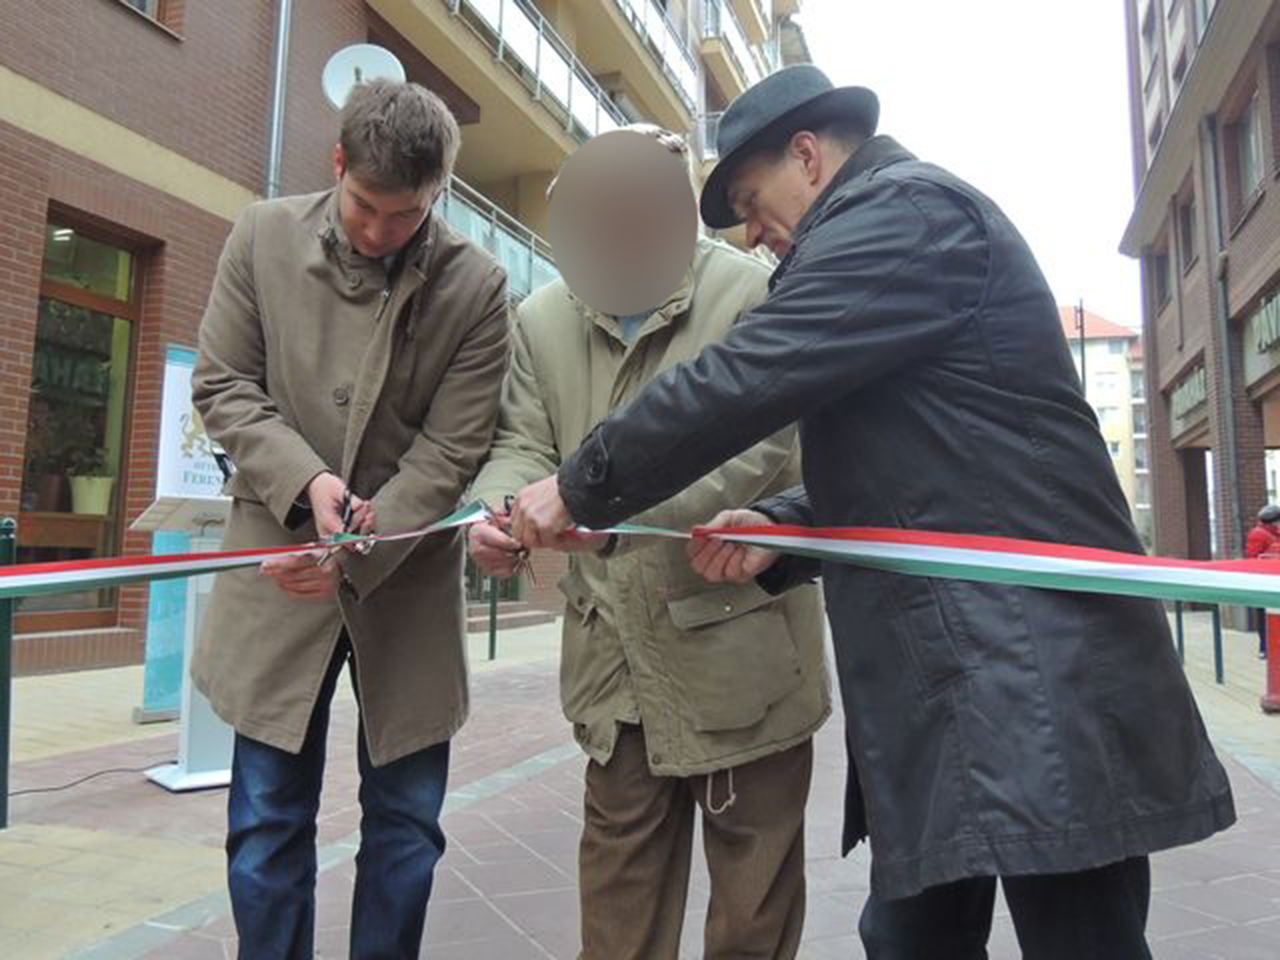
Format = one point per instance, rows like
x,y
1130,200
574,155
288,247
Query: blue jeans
x,y
271,843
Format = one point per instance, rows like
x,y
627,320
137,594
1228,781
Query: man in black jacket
x,y
1046,738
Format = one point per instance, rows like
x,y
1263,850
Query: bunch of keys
x,y
523,564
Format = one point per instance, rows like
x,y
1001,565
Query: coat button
x,y
615,501
656,759
354,281
341,395
728,608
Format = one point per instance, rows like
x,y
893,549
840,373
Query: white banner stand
x,y
204,741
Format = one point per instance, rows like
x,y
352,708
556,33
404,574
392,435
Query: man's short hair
x,y
398,136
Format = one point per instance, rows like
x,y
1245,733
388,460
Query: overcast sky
x,y
1025,99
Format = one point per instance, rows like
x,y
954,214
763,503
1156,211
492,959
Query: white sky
x,y
1025,99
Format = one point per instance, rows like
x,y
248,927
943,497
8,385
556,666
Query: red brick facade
x,y
1185,328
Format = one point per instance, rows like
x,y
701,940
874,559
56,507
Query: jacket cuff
x,y
788,571
588,490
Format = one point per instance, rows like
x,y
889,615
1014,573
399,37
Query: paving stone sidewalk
x,y
117,868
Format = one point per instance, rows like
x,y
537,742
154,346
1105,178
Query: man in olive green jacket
x,y
353,343
682,694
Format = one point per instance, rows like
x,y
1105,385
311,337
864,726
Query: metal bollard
x,y
1218,673
1182,647
493,618
8,551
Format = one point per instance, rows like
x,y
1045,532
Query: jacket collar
x,y
674,307
876,153
333,238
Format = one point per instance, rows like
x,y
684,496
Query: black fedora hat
x,y
784,102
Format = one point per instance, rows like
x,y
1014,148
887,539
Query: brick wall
x,y
177,246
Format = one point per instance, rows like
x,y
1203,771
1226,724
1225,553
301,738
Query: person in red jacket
x,y
1264,541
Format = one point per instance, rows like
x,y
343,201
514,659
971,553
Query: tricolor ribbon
x,y
30,579
1026,563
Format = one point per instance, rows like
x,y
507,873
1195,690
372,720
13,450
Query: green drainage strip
x,y
158,931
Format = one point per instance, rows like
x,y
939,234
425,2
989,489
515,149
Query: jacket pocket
x,y
580,604
931,647
733,656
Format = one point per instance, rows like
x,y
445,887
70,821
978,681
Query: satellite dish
x,y
358,63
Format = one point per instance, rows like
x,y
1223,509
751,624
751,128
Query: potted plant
x,y
90,485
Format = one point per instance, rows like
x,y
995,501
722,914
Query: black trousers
x,y
1097,914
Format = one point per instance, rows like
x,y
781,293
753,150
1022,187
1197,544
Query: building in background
x,y
134,131
1112,379
1204,89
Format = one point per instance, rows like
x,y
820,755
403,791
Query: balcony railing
x,y
708,129
721,22
521,37
655,28
523,254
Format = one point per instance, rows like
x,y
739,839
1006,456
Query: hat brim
x,y
856,102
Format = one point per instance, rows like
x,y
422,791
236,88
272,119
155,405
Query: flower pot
x,y
91,494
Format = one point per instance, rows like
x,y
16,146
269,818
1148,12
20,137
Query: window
x,y
1187,233
1180,70
1157,129
1139,419
1204,9
1115,347
1104,383
1114,447
1150,44
1140,454
1142,490
1160,289
1108,415
150,8
1137,387
74,453
1248,145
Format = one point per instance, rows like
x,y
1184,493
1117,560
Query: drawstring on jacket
x,y
730,800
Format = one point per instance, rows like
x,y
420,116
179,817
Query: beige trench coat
x,y
718,675
309,361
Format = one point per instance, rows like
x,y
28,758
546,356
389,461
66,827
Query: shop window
x,y
74,453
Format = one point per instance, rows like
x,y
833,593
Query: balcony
x,y
523,254
756,17
664,42
728,54
520,37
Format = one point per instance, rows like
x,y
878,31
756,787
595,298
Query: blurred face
x,y
772,194
378,223
623,222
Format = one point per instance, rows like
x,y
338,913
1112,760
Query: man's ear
x,y
339,161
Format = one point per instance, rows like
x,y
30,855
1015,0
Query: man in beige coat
x,y
352,355
683,694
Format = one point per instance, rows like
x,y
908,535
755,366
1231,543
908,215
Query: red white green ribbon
x,y
30,579
1027,563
